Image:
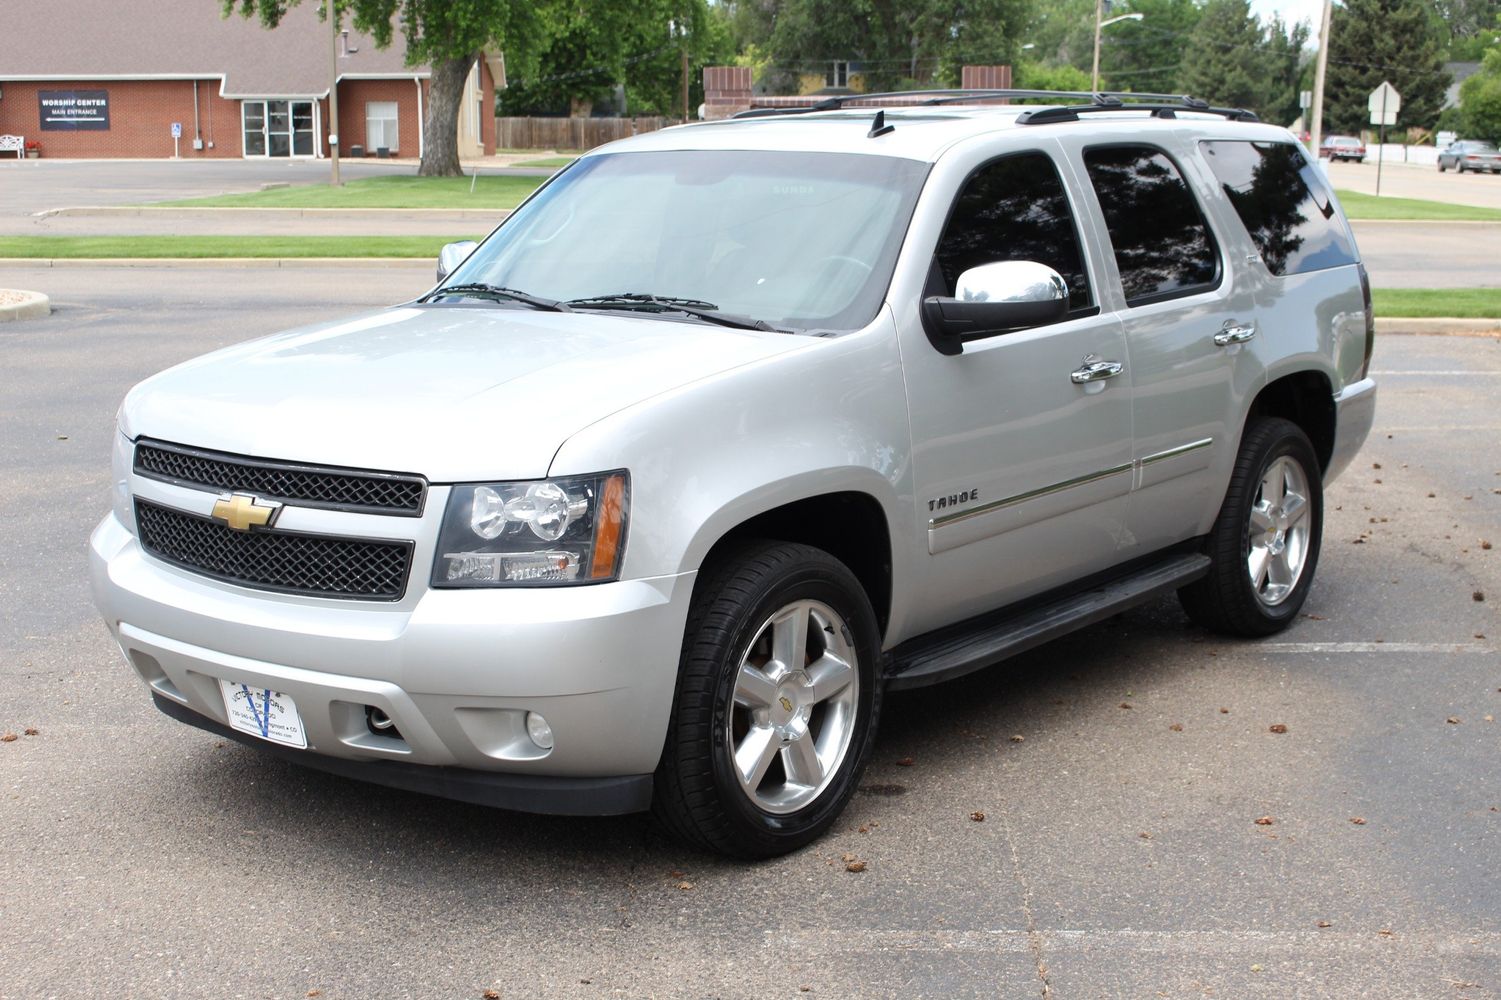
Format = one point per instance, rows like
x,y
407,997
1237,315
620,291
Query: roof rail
x,y
1160,105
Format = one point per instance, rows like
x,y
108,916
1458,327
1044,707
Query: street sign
x,y
1305,99
177,130
1384,104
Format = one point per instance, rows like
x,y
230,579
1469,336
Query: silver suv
x,y
731,428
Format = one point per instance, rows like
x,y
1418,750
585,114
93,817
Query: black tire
x,y
1227,599
699,796
1459,167
1441,167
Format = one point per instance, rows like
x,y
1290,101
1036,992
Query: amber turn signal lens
x,y
609,529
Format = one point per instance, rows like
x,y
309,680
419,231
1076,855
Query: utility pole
x,y
1316,131
1094,76
333,90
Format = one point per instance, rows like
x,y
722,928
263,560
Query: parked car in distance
x,y
730,429
1342,147
1470,154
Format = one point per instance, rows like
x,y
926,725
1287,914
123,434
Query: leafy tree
x,y
1480,100
446,35
594,47
1471,25
1375,40
1282,57
898,42
1062,34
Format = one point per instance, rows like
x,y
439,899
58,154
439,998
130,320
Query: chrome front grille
x,y
357,490
284,561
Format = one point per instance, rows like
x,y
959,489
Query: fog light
x,y
538,729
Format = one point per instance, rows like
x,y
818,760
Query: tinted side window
x,y
1285,206
1014,208
1162,244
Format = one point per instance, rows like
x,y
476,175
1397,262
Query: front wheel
x,y
776,703
1264,545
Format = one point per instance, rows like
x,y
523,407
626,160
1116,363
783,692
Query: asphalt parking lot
x,y
1120,853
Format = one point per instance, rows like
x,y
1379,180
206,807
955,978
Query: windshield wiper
x,y
480,289
646,302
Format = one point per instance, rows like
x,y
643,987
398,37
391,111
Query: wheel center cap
x,y
792,707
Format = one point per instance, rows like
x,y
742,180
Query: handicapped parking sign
x,y
177,130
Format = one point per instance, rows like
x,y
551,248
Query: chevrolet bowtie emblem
x,y
241,511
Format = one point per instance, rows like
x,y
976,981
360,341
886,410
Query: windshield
x,y
795,239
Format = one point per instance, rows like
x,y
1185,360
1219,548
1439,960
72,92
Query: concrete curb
x,y
183,212
1453,327
216,262
33,305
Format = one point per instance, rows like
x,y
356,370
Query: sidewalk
x,y
137,220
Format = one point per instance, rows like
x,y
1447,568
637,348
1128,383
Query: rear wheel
x,y
1265,543
776,702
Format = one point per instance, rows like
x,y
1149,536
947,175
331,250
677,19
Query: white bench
x,y
13,143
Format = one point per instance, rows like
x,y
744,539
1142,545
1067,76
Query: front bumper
x,y
457,671
1354,414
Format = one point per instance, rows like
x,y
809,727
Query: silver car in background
x,y
1470,154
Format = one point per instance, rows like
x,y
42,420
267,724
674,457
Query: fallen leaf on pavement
x,y
32,731
1017,738
977,816
9,738
855,866
904,762
1322,923
1264,821
1125,704
1176,727
685,886
1278,728
1452,720
1358,820
1478,596
1224,710
491,995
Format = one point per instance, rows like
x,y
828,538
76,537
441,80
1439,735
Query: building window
x,y
838,75
380,125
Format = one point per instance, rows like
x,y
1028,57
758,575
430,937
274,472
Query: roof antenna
x,y
879,127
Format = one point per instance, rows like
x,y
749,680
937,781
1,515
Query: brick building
x,y
111,78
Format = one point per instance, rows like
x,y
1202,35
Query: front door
x,y
278,128
1022,473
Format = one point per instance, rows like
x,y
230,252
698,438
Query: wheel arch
x,y
1307,399
849,524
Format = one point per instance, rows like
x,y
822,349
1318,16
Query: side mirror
x,y
995,298
453,255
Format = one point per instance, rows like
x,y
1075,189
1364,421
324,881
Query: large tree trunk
x,y
440,153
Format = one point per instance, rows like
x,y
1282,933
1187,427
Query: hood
x,y
454,393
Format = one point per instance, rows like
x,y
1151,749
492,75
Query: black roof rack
x,y
1159,105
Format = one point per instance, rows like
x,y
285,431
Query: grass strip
x,y
546,161
1369,207
1445,303
185,247
397,191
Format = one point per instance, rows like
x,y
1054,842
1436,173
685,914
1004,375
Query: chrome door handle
x,y
1096,371
1234,335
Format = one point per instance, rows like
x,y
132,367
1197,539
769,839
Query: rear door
x,y
1187,312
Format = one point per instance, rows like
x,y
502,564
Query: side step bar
x,y
982,642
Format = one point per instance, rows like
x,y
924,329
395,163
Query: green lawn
x,y
225,246
546,161
1463,303
402,191
1366,206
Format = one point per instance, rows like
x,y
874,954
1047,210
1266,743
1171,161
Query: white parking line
x,y
1372,647
1437,372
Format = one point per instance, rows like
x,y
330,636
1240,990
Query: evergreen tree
x,y
1223,62
1375,40
1146,55
1480,98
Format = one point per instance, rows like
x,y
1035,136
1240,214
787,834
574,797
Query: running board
x,y
982,642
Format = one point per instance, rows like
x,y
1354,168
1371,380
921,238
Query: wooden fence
x,y
569,133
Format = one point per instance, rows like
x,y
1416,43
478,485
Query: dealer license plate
x,y
271,715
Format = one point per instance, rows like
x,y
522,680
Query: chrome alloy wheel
x,y
796,696
1279,532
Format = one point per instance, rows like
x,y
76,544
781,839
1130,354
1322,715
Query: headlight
x,y
119,463
542,533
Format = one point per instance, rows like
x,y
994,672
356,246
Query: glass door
x,y
278,128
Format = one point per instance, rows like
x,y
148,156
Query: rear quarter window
x,y
1283,204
